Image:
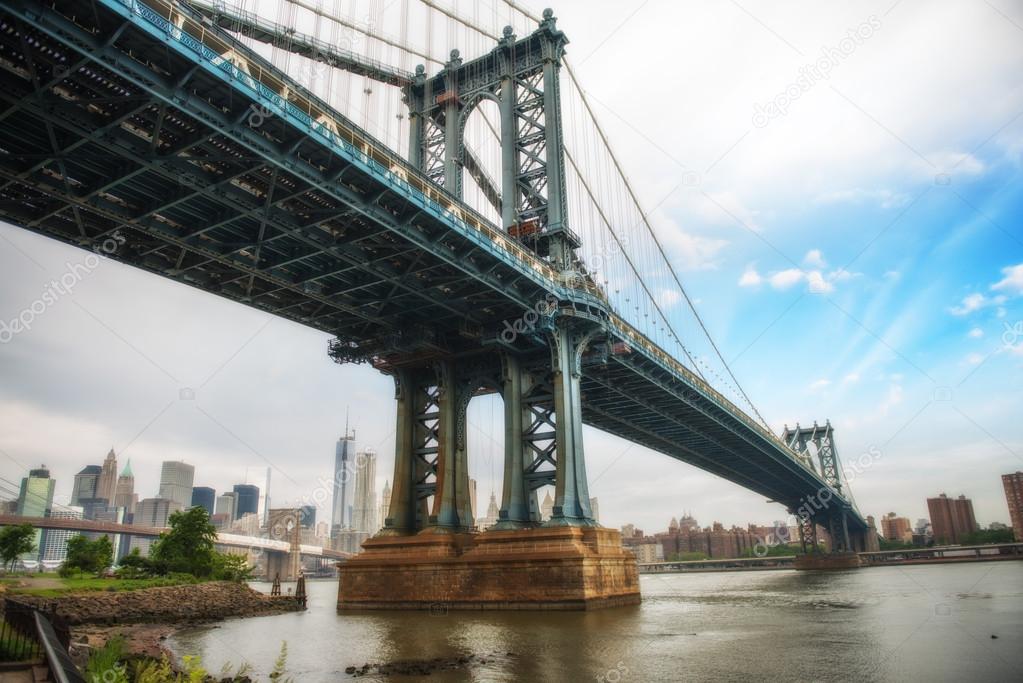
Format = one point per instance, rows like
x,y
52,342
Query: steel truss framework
x,y
116,121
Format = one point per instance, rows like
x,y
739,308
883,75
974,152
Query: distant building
x,y
35,499
1013,484
895,528
595,510
226,505
86,484
106,485
307,516
951,518
493,514
247,501
385,503
205,498
55,540
322,530
344,455
364,516
176,479
124,492
547,507
247,525
153,512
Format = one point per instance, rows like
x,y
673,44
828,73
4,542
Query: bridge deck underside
x,y
216,195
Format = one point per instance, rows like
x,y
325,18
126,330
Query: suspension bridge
x,y
461,224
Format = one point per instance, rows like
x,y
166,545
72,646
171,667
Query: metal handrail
x,y
57,658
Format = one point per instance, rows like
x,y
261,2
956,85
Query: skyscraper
x,y
86,484
153,512
472,499
492,514
1013,484
204,497
106,486
124,493
176,479
246,500
227,503
364,517
36,500
344,454
307,516
895,528
951,518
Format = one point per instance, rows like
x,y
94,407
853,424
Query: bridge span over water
x,y
127,127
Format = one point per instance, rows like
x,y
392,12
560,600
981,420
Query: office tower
x,y
124,492
106,486
227,503
595,510
246,500
364,517
86,484
1013,484
54,542
344,455
36,500
204,497
385,504
895,528
176,479
951,518
153,512
307,516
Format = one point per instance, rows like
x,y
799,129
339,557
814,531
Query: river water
x,y
912,623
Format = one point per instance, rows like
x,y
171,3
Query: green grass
x,y
90,583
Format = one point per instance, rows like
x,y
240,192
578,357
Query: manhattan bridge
x,y
438,196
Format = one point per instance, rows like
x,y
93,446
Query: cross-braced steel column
x,y
415,450
529,443
807,533
451,509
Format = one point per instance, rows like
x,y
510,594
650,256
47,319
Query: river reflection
x,y
887,623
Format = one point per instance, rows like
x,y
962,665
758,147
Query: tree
x,y
228,567
188,546
15,541
92,557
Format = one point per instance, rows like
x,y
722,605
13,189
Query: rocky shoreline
x,y
147,617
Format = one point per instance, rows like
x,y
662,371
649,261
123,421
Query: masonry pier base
x,y
545,568
836,560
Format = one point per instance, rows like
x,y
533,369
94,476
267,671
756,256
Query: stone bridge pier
x,y
429,552
284,525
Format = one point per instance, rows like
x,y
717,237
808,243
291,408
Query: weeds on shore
x,y
111,664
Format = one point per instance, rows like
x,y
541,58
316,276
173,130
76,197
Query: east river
x,y
911,623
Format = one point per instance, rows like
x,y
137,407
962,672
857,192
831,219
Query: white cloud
x,y
817,284
820,384
975,333
1013,280
750,277
669,297
975,302
851,378
974,358
886,199
784,279
814,259
892,275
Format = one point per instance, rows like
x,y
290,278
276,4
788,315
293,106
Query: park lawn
x,y
53,586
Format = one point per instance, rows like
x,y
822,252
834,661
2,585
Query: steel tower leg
x,y
415,451
515,497
451,500
572,497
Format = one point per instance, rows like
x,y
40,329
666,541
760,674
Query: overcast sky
x,y
857,254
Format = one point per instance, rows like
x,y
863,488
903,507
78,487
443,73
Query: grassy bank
x,y
53,586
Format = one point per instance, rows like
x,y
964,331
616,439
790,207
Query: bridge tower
x,y
429,550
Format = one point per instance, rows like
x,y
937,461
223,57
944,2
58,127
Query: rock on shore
x,y
168,604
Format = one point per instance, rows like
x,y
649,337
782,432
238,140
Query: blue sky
x,y
858,259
